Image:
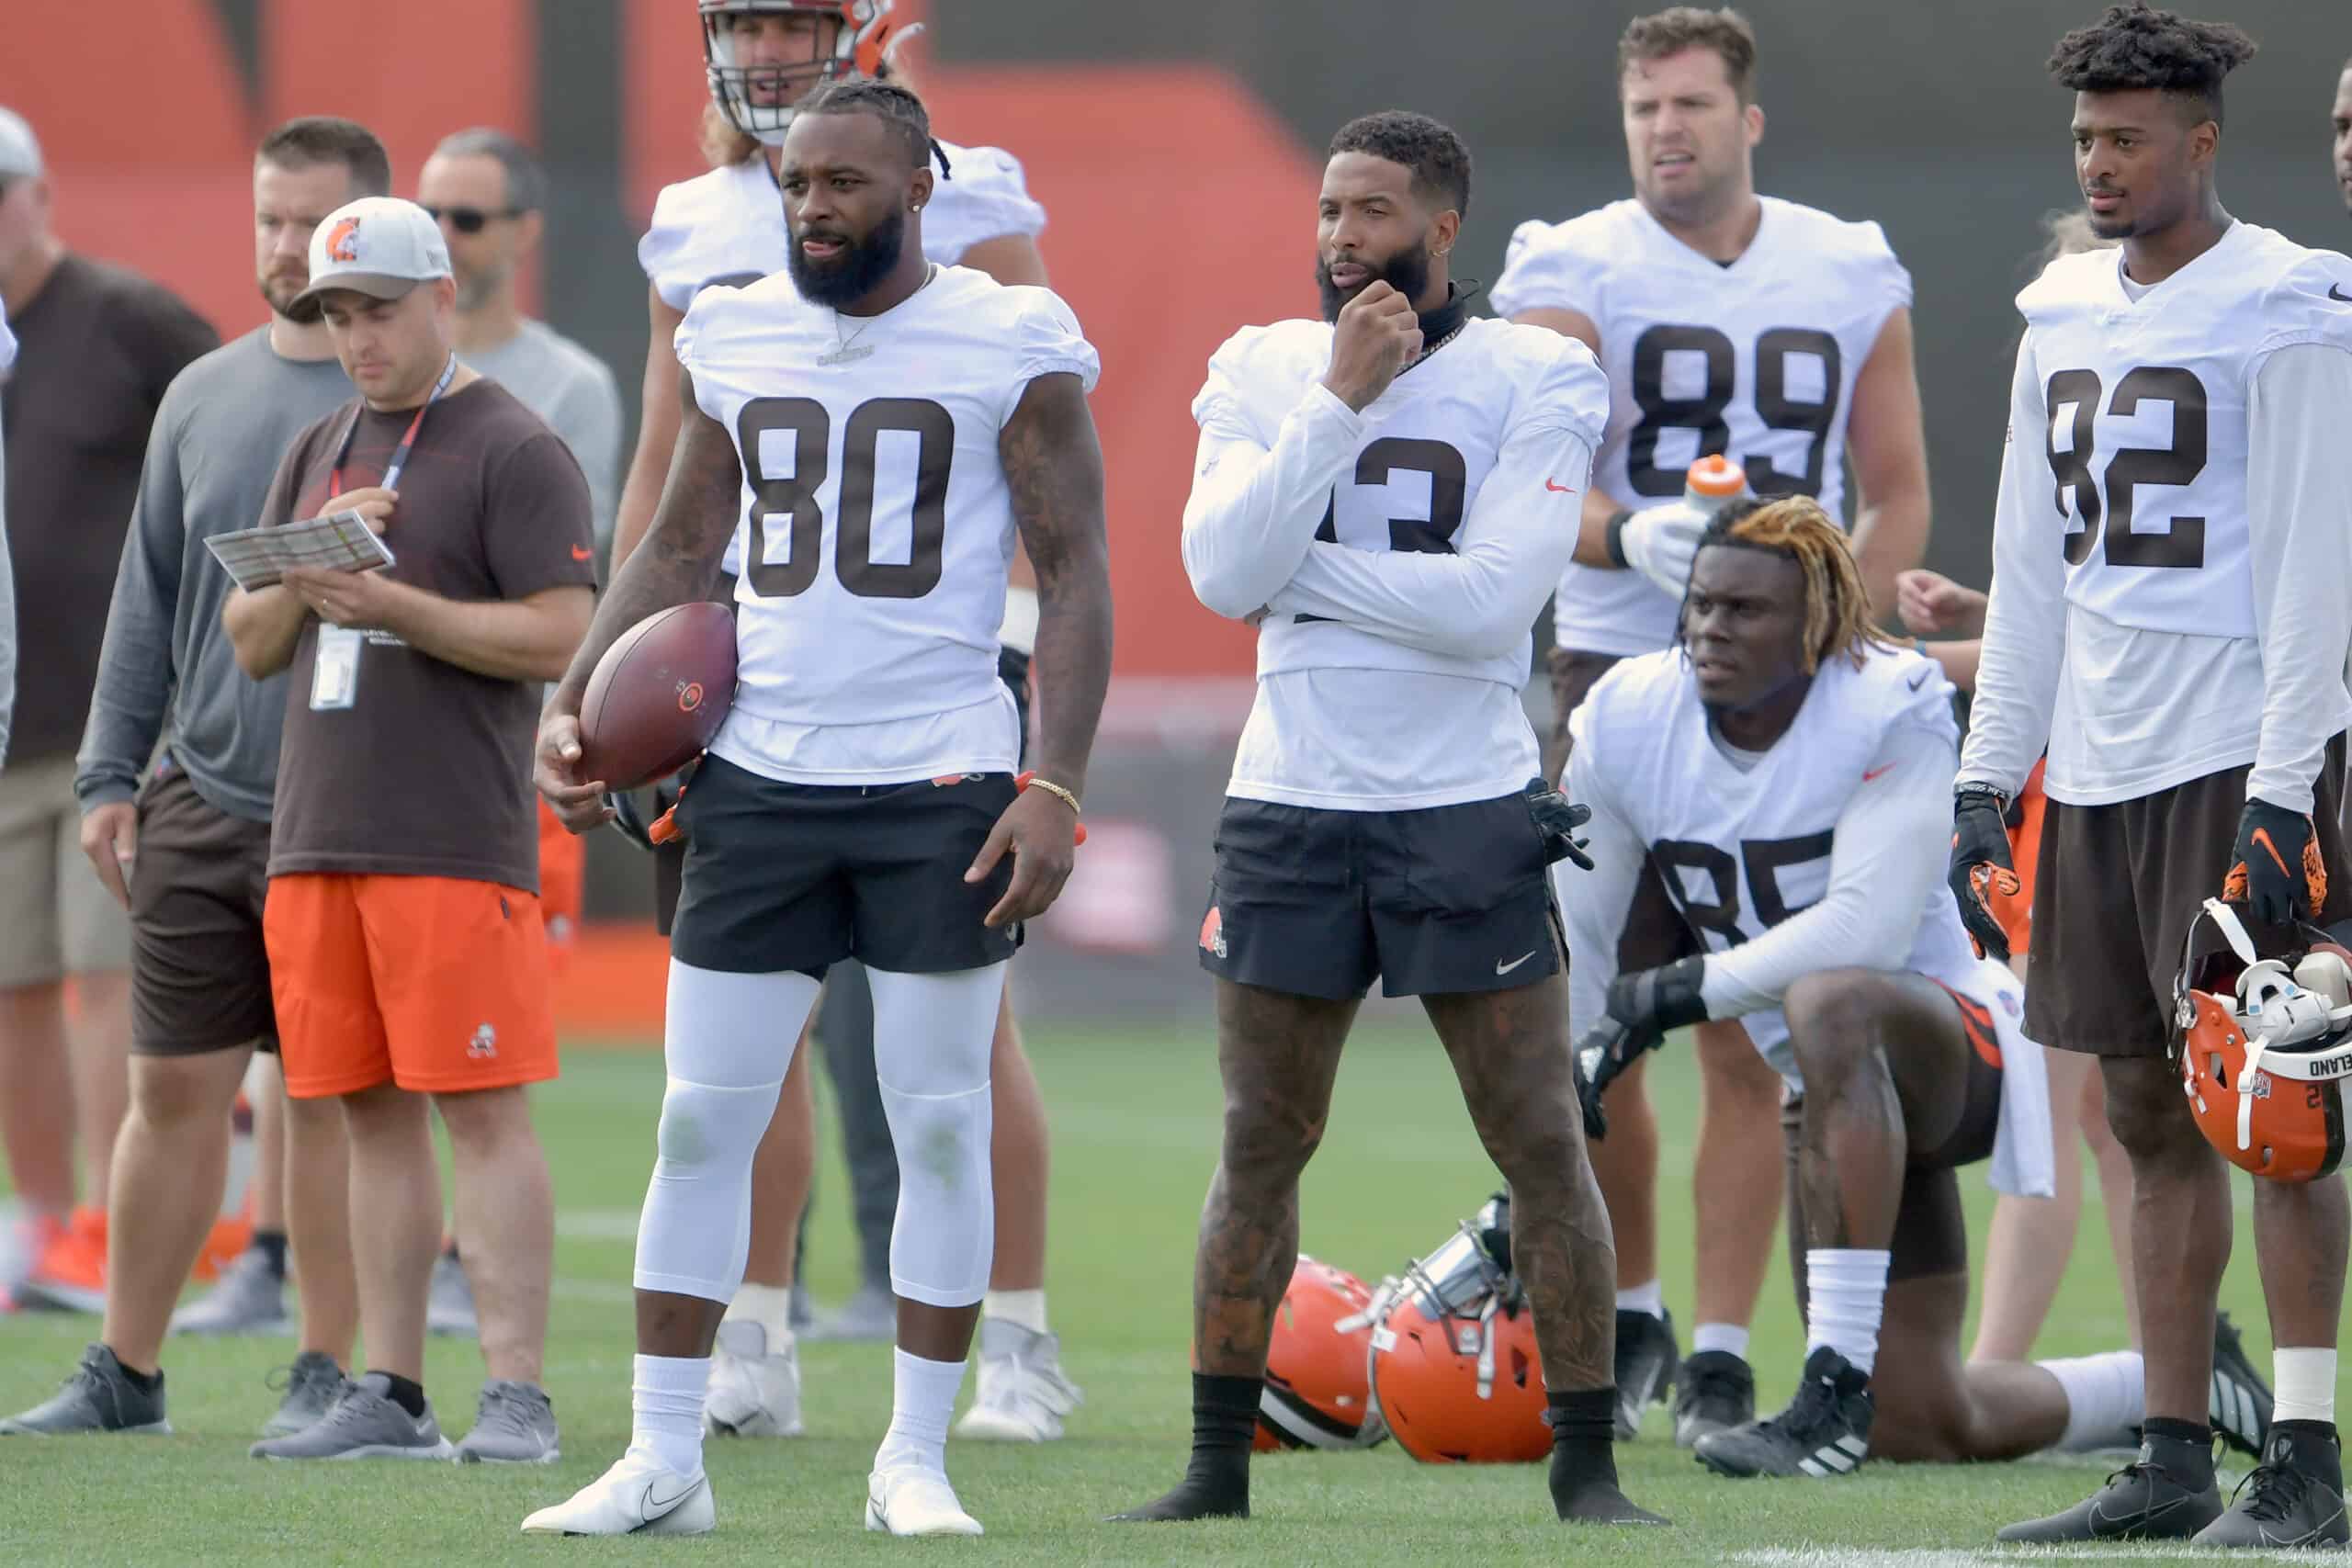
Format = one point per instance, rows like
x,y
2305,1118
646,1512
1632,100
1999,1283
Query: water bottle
x,y
1715,483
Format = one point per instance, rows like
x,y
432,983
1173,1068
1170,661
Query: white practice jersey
x,y
2172,523
726,226
1756,361
1741,850
1400,556
877,526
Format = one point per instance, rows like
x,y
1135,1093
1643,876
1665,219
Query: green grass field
x,y
1134,1119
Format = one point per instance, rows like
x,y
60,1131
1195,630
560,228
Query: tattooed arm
x,y
1053,465
677,562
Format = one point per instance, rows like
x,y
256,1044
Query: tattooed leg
x,y
1278,1055
1510,1050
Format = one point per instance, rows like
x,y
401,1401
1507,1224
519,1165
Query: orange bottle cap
x,y
1718,477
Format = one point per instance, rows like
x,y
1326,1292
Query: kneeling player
x,y
1775,791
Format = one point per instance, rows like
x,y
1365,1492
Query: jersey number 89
x,y
776,496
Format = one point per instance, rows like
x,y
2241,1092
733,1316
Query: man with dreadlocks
x,y
2176,426
1769,798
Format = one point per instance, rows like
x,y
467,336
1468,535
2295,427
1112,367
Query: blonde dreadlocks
x,y
1836,604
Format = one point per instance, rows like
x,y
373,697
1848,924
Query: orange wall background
x,y
1179,208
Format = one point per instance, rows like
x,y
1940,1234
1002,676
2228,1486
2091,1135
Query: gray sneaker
x,y
514,1425
98,1397
872,1314
1020,1392
450,1300
248,1298
364,1424
312,1384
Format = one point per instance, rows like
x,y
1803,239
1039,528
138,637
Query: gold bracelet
x,y
1050,787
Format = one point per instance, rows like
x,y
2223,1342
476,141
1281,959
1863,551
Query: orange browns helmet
x,y
1454,1368
1319,1381
2264,1046
758,100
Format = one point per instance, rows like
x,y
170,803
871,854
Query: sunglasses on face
x,y
469,219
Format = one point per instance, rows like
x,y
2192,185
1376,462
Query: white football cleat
x,y
752,1393
910,1502
639,1494
1020,1392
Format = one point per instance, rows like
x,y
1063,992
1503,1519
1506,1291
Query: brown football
x,y
658,695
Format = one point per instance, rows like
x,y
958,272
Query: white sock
x,y
770,1306
2105,1398
1729,1339
1848,1286
2304,1384
1649,1298
923,1398
666,1400
1026,1308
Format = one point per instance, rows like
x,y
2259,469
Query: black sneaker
x,y
2294,1497
98,1397
1715,1391
2239,1407
1646,1355
2140,1502
1824,1431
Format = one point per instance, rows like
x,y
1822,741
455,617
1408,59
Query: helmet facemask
x,y
760,100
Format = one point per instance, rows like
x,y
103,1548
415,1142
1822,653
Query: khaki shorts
x,y
56,917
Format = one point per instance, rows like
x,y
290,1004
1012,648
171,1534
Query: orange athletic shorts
x,y
433,983
2015,911
563,875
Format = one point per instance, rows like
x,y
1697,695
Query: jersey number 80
x,y
795,494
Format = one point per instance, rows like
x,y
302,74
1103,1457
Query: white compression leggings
x,y
729,1039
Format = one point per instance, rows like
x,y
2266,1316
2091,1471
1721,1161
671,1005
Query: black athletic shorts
x,y
1316,903
1930,1231
200,972
800,877
2115,888
670,859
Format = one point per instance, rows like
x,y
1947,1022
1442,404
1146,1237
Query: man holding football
x,y
860,798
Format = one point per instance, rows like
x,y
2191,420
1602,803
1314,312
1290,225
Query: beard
x,y
1408,272
856,272
277,293
475,290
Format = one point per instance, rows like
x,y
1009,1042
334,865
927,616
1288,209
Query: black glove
x,y
1979,858
1557,819
2276,871
1641,1007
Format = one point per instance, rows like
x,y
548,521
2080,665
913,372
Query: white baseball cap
x,y
377,245
19,147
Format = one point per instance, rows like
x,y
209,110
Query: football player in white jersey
x,y
874,429
728,226
1387,493
1769,808
2171,616
1750,327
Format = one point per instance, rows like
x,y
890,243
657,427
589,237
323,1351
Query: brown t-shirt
x,y
428,771
96,348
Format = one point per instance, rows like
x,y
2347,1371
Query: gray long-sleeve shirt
x,y
166,669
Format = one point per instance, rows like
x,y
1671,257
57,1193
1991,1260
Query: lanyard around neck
x,y
408,441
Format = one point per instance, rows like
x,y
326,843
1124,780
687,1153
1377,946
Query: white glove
x,y
1660,542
